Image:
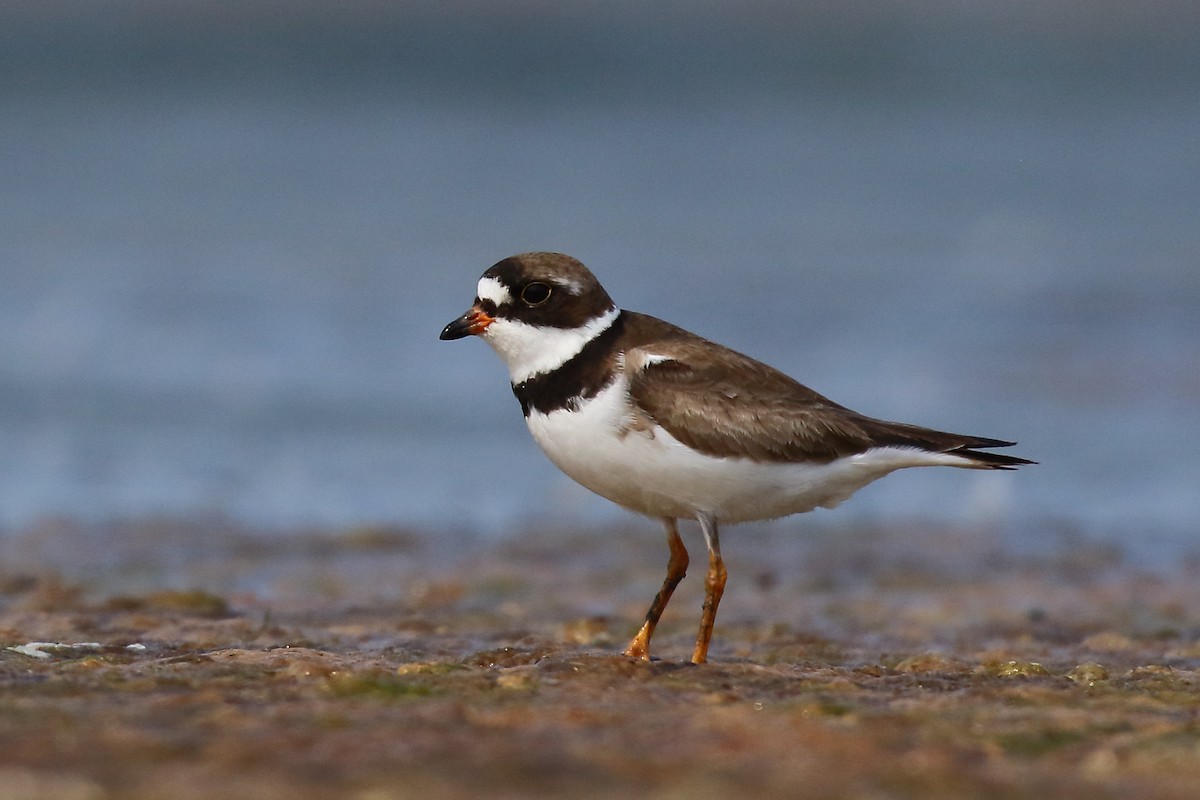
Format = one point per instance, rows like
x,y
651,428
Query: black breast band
x,y
581,378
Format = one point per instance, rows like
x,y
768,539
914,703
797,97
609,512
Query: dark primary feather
x,y
702,397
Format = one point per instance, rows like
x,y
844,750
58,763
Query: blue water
x,y
229,242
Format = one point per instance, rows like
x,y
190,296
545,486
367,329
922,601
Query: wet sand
x,y
201,660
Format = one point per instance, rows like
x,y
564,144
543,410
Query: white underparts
x,y
647,470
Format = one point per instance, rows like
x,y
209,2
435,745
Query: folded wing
x,y
733,406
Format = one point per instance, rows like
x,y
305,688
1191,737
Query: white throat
x,y
529,350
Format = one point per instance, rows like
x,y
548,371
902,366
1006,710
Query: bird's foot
x,y
639,648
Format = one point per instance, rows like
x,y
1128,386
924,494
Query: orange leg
x,y
676,569
714,587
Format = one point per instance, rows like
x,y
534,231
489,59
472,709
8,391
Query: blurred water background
x,y
230,234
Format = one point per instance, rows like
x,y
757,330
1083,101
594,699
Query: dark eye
x,y
534,294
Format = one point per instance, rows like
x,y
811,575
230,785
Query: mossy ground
x,y
905,662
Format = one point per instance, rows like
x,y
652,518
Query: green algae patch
x,y
431,668
193,602
931,663
1014,669
1088,674
1040,743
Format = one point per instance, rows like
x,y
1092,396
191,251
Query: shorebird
x,y
671,425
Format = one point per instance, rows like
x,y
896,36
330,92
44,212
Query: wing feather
x,y
720,402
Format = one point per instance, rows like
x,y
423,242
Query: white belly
x,y
651,472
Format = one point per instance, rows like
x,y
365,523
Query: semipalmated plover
x,y
668,424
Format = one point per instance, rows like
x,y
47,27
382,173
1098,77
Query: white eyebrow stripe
x,y
494,290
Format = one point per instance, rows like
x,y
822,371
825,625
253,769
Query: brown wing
x,y
723,403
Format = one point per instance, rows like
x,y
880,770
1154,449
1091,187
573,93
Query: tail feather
x,y
968,447
991,460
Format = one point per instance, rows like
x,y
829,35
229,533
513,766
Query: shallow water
x,y
229,246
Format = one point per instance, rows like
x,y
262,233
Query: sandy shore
x,y
199,660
